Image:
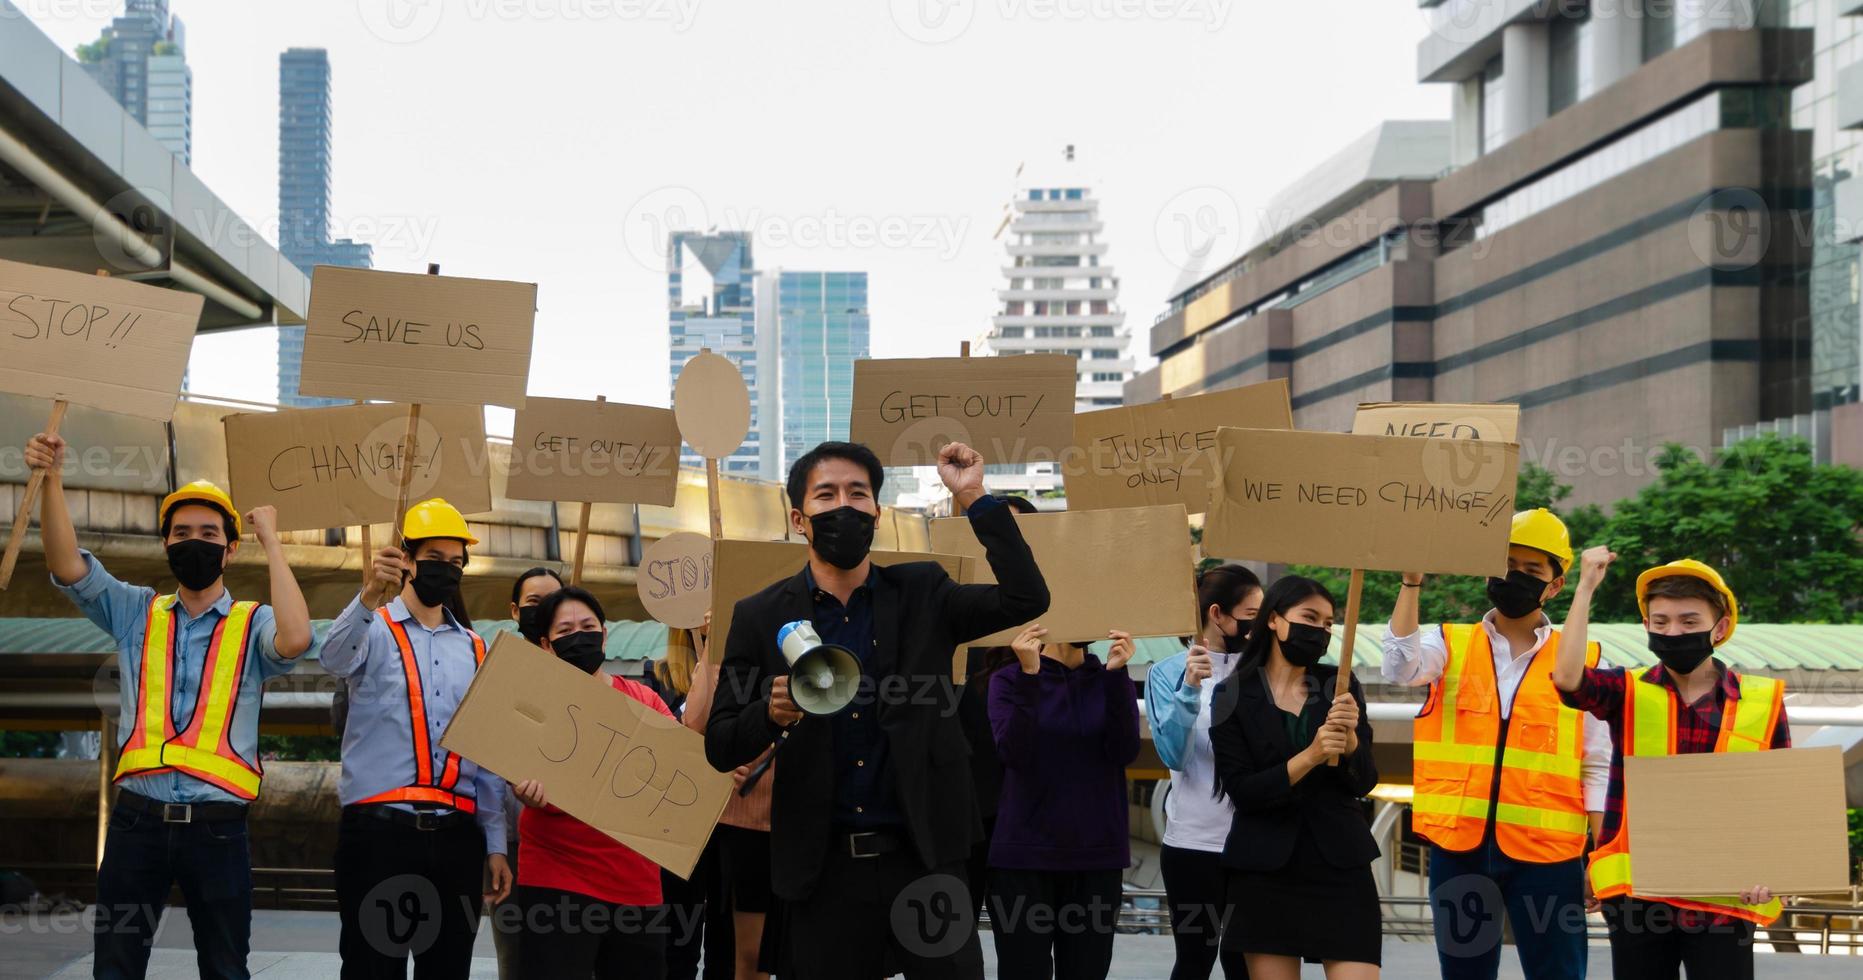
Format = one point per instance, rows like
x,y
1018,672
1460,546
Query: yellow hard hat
x,y
1540,529
1690,568
201,492
435,519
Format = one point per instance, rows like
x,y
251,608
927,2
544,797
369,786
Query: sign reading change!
x,y
1011,409
1163,452
1387,503
412,338
94,340
340,466
600,452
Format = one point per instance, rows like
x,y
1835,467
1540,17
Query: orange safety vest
x,y
1539,811
426,789
204,749
1649,730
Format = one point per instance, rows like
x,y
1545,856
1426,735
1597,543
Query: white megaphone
x,y
823,677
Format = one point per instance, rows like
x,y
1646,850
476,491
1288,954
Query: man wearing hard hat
x,y
422,838
1509,780
193,664
1689,702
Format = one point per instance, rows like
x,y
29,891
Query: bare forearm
x,y
1405,614
55,530
1569,668
291,613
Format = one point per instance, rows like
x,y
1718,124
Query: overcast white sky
x,y
551,140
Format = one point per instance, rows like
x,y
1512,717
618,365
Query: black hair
x,y
853,452
412,548
1287,592
1223,586
546,610
984,661
517,587
227,525
1021,505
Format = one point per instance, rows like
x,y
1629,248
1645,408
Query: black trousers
x,y
1054,923
880,916
143,858
1650,942
576,937
404,892
700,914
1197,889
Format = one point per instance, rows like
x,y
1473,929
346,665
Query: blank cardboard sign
x,y
675,579
97,341
1389,503
712,405
1010,409
1163,452
1774,818
1437,420
340,466
745,568
394,336
600,452
603,757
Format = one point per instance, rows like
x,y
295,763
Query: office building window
x,y
1491,106
1571,60
1102,331
1658,31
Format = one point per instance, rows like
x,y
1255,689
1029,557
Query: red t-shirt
x,y
555,850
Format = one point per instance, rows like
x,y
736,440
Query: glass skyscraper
x,y
721,315
823,328
304,156
141,60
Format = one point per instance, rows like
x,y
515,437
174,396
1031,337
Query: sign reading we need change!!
x,y
1010,409
427,339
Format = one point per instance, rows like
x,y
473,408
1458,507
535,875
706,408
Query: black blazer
x,y
1252,749
920,617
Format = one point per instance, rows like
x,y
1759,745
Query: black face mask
x,y
1517,595
1234,642
527,624
1305,644
843,536
1682,654
582,651
435,580
196,563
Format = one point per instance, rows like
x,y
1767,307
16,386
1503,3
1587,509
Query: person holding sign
x,y
590,902
193,664
874,798
1299,852
412,811
1066,727
1689,702
1508,778
1197,818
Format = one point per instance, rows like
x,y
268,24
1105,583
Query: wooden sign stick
x,y
368,546
29,499
582,527
409,447
1344,683
711,488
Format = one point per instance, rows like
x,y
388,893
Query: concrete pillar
x,y
1465,121
1616,42
1526,67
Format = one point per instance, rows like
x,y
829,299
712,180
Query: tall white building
x,y
1062,297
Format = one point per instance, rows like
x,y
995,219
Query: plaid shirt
x,y
1697,726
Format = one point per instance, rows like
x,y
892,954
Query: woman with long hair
x,y
526,592
1197,818
1300,850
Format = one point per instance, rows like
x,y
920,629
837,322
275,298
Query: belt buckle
x,y
177,813
853,845
426,820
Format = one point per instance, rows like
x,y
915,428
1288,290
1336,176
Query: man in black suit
x,y
872,815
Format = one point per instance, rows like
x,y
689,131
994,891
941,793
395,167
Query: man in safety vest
x,y
1689,702
1509,780
422,838
193,664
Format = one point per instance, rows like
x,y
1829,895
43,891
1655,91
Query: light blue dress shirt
x,y
377,746
122,610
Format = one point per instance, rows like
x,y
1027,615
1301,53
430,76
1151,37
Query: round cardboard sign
x,y
712,405
675,579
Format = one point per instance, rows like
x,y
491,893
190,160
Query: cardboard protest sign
x,y
1390,503
744,568
1125,569
675,579
602,757
412,338
1011,409
1778,820
600,452
340,466
1162,452
1436,420
98,341
712,404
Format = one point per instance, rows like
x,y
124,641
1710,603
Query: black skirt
x,y
1307,909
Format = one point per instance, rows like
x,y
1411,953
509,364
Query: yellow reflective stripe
x,y
1455,640
1474,755
1550,763
1651,719
154,680
1432,804
137,760
1610,870
1540,817
225,681
187,757
1755,710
